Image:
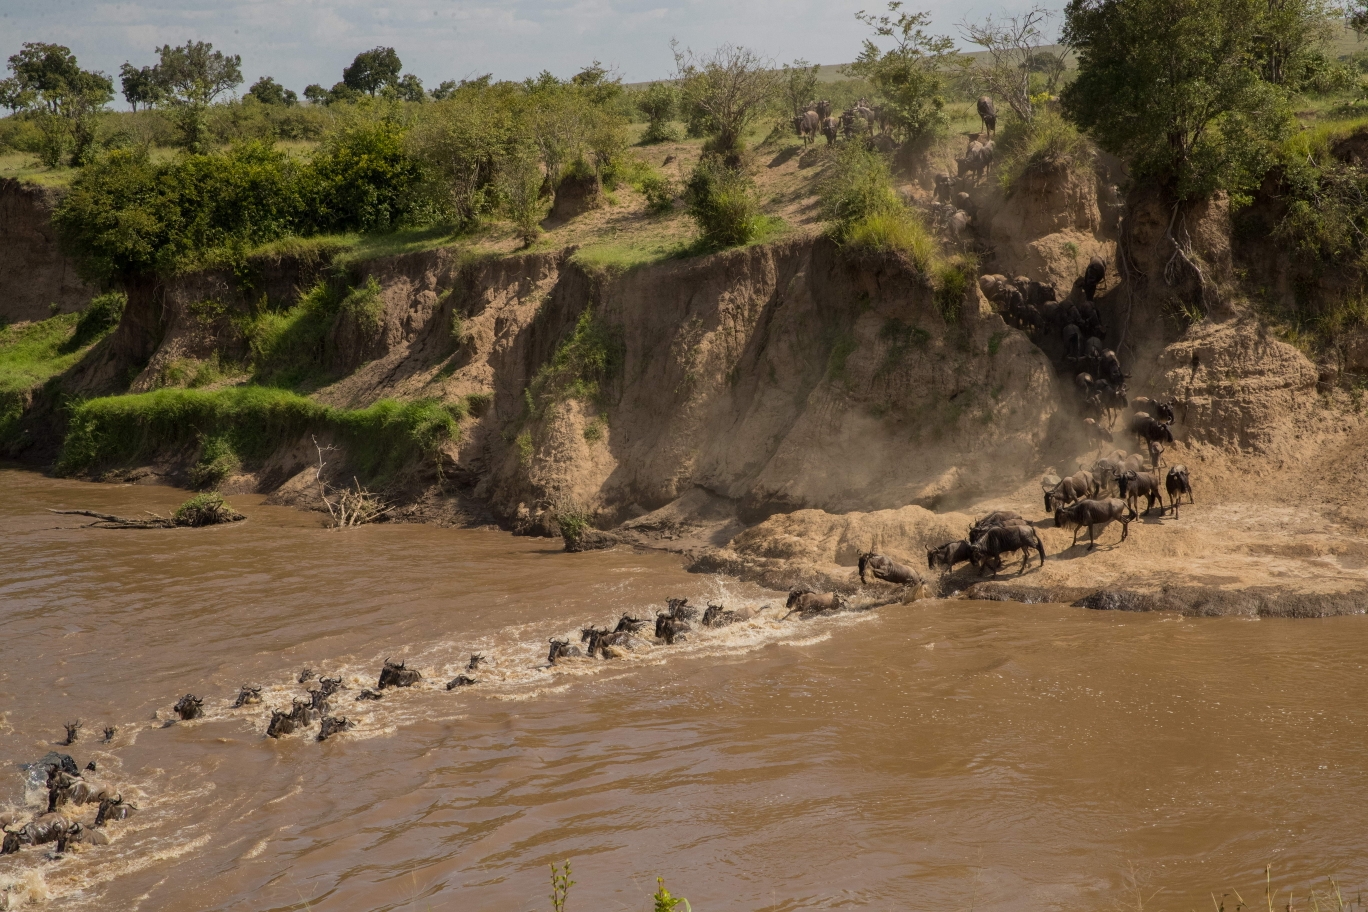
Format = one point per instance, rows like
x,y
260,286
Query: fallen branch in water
x,y
200,510
353,507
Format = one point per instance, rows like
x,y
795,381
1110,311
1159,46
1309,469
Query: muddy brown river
x,y
942,755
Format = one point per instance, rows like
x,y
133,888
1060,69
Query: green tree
x,y
658,101
726,91
909,76
48,81
1291,36
316,94
190,78
1011,44
370,71
1175,87
267,91
139,86
599,83
407,88
445,89
800,85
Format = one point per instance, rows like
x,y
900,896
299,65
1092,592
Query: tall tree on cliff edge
x,y
49,83
189,79
1192,92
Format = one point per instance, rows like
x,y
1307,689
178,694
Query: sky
x,y
306,41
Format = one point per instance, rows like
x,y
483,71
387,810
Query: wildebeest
x,y
807,124
824,109
1156,453
44,829
805,601
1148,428
561,649
11,843
987,112
1110,368
1093,276
189,707
397,675
249,695
114,809
368,694
718,616
992,521
629,624
882,567
331,725
461,681
1077,486
1072,337
1094,513
305,674
282,723
1178,483
945,193
1133,485
73,731
830,127
1162,410
1001,540
109,732
595,637
475,660
949,554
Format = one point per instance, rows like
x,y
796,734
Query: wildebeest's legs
x,y
1092,537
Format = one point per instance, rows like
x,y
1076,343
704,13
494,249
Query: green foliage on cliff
x,y
582,367
247,424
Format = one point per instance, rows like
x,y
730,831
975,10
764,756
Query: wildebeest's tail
x,y
864,562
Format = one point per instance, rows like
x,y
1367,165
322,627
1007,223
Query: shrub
x,y
722,201
362,179
895,232
952,283
205,510
366,307
1046,145
582,366
857,184
660,193
100,316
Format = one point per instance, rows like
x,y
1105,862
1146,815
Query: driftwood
x,y
110,521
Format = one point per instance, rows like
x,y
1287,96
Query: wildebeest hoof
x,y
249,695
397,675
331,726
368,694
189,707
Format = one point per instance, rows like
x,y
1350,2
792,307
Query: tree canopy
x,y
267,91
48,81
909,76
372,70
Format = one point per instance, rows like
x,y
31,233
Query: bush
x,y
100,316
660,193
722,201
895,232
1047,145
250,422
857,185
205,510
581,367
362,179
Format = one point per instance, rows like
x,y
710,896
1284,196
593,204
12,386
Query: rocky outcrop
x,y
36,279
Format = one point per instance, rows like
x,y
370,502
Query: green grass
x,y
583,365
244,425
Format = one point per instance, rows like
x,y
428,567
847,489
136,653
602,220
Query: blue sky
x,y
305,41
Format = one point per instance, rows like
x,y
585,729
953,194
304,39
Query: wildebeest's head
x,y
11,843
331,726
397,674
109,732
249,695
475,660
73,731
189,707
461,681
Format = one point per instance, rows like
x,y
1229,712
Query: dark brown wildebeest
x,y
109,732
805,601
629,624
331,725
1093,276
461,681
1164,410
1094,513
1096,432
475,660
885,568
830,128
561,649
719,616
1110,368
45,829
947,555
987,112
1178,483
73,731
318,701
11,843
807,124
249,695
397,675
189,707
1077,486
282,723
368,694
595,637
824,109
1156,454
1149,429
306,674
988,550
992,521
114,809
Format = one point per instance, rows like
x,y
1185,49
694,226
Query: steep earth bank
x,y
36,279
773,411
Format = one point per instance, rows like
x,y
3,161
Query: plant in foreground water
x,y
664,902
560,886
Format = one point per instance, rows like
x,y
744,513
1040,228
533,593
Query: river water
x,y
942,755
